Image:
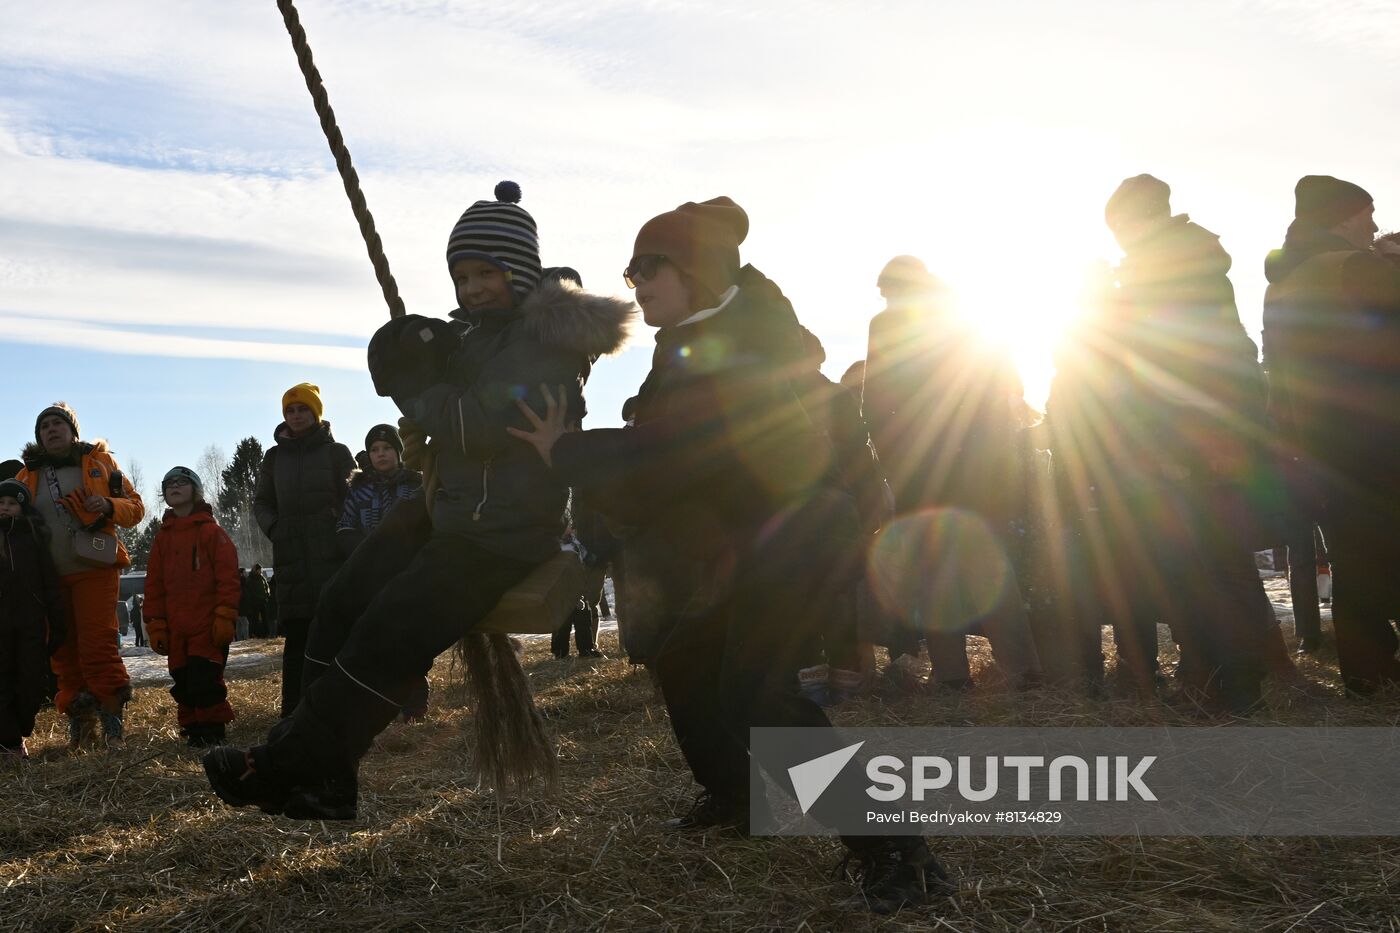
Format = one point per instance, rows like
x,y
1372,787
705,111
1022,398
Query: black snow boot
x,y
332,799
898,872
204,735
234,777
711,810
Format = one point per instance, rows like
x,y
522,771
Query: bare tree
x,y
211,469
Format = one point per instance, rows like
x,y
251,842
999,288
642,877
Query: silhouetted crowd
x,y
766,527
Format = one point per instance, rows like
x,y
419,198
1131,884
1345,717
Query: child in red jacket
x,y
192,594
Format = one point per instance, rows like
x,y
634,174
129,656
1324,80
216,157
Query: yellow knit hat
x,y
307,394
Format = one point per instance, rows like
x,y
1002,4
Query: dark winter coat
x,y
835,410
938,400
1185,330
1181,399
300,492
1332,348
720,444
372,495
495,490
254,594
29,591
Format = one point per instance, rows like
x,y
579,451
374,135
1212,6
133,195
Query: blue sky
x,y
176,250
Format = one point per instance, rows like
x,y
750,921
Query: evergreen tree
x,y
138,542
235,503
240,477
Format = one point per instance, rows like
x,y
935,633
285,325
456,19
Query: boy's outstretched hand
x,y
548,429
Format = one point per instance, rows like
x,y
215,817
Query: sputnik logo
x,y
811,778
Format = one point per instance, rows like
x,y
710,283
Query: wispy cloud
x,y
87,335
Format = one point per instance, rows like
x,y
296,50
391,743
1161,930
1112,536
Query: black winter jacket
x,y
29,592
301,490
1332,348
1165,383
938,400
495,491
720,444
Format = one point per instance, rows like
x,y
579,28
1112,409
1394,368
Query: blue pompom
x,y
508,191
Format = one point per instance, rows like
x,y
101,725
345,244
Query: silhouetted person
x,y
938,399
1332,345
1181,424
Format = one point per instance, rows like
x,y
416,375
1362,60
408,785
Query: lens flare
x,y
940,570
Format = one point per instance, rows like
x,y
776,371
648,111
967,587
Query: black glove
x,y
409,354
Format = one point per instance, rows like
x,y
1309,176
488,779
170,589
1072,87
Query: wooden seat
x,y
540,603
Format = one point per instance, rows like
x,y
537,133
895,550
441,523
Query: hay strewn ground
x,y
132,840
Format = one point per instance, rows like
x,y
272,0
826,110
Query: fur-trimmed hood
x,y
399,475
34,455
560,314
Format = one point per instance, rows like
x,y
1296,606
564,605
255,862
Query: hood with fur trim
x,y
35,456
560,314
394,477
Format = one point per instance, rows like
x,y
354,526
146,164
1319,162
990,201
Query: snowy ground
x,y
1276,585
148,669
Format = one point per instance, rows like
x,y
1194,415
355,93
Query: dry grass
x,y
132,840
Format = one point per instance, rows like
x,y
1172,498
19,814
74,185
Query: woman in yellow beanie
x,y
302,485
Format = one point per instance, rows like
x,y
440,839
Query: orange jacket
x,y
192,571
98,465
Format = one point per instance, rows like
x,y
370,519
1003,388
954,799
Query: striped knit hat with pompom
x,y
502,233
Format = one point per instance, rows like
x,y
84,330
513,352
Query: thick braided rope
x,y
342,158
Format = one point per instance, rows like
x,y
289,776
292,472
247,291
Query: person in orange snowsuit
x,y
80,492
192,593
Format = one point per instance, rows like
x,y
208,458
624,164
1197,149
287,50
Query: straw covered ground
x,y
131,839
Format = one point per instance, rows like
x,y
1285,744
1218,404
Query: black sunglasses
x,y
642,269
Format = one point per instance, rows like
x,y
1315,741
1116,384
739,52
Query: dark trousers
x,y
583,622
651,582
449,585
729,663
200,692
1303,537
1068,631
1365,596
386,552
293,653
24,676
1181,554
840,632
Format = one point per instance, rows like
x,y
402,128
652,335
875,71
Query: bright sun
x,y
1010,217
1027,314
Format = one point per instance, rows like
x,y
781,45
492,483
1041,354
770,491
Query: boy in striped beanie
x,y
501,233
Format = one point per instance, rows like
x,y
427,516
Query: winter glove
x,y
415,444
224,618
58,632
158,635
76,504
409,354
